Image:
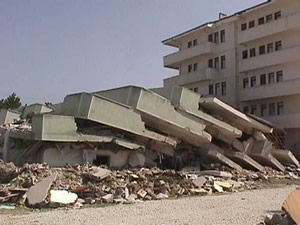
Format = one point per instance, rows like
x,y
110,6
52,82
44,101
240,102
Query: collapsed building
x,y
135,127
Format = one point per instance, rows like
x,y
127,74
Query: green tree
x,y
11,102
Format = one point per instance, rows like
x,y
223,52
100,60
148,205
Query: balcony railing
x,y
283,24
283,56
188,78
283,88
174,59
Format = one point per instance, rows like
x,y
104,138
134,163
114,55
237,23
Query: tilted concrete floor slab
x,y
244,160
217,153
187,103
8,116
234,117
157,112
285,157
268,160
110,113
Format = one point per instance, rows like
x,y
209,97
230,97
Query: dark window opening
x,y
263,79
244,26
223,62
261,20
246,82
272,109
280,107
270,48
190,44
279,76
253,81
217,62
278,45
210,38
252,24
211,89
269,18
210,63
252,52
223,88
263,110
253,109
222,36
262,50
245,54
216,37
277,15
195,42
271,78
246,109
102,160
217,89
195,67
196,89
190,68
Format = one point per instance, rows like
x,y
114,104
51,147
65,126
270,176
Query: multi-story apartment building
x,y
250,60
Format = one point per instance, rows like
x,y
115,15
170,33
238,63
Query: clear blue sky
x,y
50,48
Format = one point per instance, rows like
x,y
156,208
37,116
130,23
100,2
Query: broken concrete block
x,y
142,193
62,197
292,205
101,173
199,182
224,185
285,157
199,191
216,173
109,198
162,196
37,193
218,188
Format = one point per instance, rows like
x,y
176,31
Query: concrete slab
x,y
112,114
285,157
187,103
233,116
217,153
263,148
292,205
268,160
157,112
38,192
244,160
8,116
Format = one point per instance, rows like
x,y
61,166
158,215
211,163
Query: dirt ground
x,y
244,208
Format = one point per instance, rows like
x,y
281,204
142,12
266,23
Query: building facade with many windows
x,y
250,60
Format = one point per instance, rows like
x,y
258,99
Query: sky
x,y
51,48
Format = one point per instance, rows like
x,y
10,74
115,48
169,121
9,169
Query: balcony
x,y
283,24
271,59
283,88
285,121
173,60
188,78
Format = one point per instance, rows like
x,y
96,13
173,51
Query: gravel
x,y
245,208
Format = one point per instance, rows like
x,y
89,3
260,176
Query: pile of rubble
x,y
37,185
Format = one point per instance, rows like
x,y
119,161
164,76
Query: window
x,y
223,62
223,88
252,52
277,15
246,82
244,26
196,89
269,18
263,110
270,48
253,109
278,45
262,50
222,36
210,38
261,20
217,63
263,79
217,89
245,54
195,67
280,107
211,89
272,109
190,44
216,37
252,24
190,68
246,109
195,42
279,76
253,81
210,63
271,78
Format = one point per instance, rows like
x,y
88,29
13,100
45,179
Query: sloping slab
x,y
268,160
292,206
234,117
38,192
110,113
158,113
217,153
244,160
285,157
